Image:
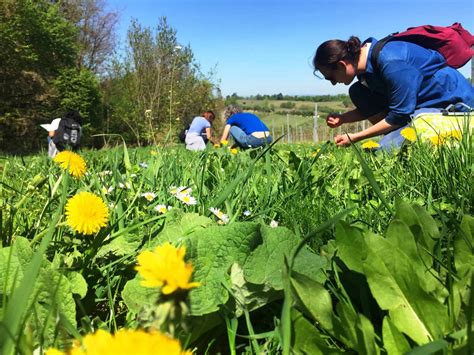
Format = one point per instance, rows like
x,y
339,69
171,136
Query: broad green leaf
x,y
365,336
400,236
179,225
439,346
264,264
52,292
54,296
464,261
119,246
394,342
248,295
10,269
344,324
421,224
306,339
463,244
212,252
314,298
136,296
78,284
351,247
396,287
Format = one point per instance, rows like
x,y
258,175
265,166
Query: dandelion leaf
x,y
78,284
180,225
264,264
136,296
212,252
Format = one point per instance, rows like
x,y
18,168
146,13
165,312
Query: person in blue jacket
x,y
409,79
247,130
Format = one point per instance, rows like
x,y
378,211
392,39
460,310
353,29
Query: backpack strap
x,y
377,48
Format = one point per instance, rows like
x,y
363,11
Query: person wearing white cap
x,y
51,128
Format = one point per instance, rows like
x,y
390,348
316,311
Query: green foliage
x,y
37,43
404,278
288,104
51,296
79,89
253,252
392,276
157,85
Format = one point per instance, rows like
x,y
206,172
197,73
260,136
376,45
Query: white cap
x,y
51,126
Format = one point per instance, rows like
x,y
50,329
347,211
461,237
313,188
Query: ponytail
x,y
332,51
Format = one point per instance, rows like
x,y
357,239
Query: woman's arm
x,y
380,127
208,133
225,133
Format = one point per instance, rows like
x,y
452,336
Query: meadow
x,y
290,249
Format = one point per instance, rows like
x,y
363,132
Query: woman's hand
x,y
334,120
344,140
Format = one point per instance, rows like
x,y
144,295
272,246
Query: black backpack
x,y
182,134
68,132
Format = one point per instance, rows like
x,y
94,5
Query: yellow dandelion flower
x,y
224,142
409,134
153,152
370,145
86,213
437,140
315,152
165,267
456,134
126,341
234,151
217,145
71,161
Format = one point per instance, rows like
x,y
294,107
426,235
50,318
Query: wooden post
x,y
315,124
296,131
273,127
288,127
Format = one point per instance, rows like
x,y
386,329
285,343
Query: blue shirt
x,y
413,77
247,122
199,125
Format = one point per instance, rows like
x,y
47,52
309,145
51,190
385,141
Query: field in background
x,y
295,119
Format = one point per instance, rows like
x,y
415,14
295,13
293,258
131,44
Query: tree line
x,y
63,54
280,97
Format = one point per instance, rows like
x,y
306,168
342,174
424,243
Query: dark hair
x,y
231,110
75,115
332,51
212,114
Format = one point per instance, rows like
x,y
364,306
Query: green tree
x,y
37,43
80,90
156,86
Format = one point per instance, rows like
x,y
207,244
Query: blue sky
x,y
266,47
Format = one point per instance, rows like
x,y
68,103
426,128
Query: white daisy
x,y
161,208
150,196
127,185
143,165
180,190
223,217
247,213
186,199
273,224
107,190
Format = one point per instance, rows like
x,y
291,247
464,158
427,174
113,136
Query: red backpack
x,y
453,42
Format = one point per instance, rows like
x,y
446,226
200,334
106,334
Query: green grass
x,y
306,105
302,187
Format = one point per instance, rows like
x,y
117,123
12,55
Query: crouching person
x,y
199,132
247,130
